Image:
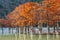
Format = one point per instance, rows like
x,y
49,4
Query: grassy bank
x,y
21,37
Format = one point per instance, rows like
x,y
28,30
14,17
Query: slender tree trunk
x,y
57,31
27,30
31,33
2,31
16,35
48,32
54,33
19,33
40,30
12,30
9,30
24,36
10,33
54,30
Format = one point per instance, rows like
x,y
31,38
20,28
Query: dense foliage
x,y
32,13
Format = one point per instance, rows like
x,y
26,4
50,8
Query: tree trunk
x,y
31,33
57,31
48,32
12,30
2,31
17,33
24,33
27,30
9,30
40,30
9,34
54,33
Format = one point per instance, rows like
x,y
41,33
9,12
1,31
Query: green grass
x,y
21,37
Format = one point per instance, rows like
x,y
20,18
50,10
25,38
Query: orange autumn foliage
x,y
23,15
53,8
34,13
3,22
